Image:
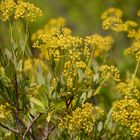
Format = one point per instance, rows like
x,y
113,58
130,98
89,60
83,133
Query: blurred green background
x,y
83,16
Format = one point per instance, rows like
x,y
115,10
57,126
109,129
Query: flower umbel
x,y
5,111
27,10
127,113
98,43
7,8
109,72
83,118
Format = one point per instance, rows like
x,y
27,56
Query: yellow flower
x,y
7,8
112,20
128,90
127,113
112,12
112,23
83,118
52,27
5,111
134,50
58,42
109,72
98,43
27,10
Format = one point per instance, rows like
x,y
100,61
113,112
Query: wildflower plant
x,y
58,92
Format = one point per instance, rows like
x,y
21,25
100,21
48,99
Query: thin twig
x,y
28,128
68,104
10,129
49,132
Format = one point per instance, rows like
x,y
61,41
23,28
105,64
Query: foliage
x,y
53,84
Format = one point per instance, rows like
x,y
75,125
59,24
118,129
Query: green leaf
x,y
80,75
10,70
38,103
43,96
95,66
96,78
49,117
100,126
58,87
90,93
40,78
83,97
58,106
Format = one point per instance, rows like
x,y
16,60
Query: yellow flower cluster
x,y
127,113
98,43
52,27
57,43
89,75
109,72
128,90
71,66
5,111
127,26
134,50
112,23
56,40
112,20
83,118
21,9
7,8
70,70
27,10
59,38
112,12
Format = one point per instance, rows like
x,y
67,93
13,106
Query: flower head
x,y
5,111
98,43
112,12
109,72
27,10
83,118
7,8
128,90
127,113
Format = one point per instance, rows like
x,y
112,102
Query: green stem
x,y
12,47
135,72
89,62
99,88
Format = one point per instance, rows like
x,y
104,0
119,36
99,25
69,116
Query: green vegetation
x,y
69,72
